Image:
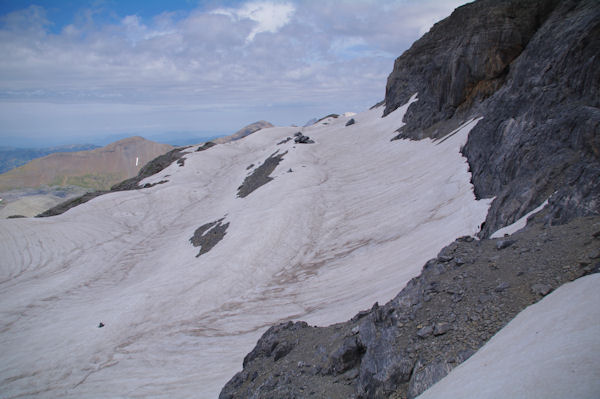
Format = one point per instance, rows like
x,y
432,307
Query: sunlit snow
x,y
346,221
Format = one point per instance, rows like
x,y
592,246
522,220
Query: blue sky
x,y
96,71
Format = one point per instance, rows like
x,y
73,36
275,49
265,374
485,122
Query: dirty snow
x,y
356,218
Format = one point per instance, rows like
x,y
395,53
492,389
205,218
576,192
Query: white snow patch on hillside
x,y
356,218
549,351
519,224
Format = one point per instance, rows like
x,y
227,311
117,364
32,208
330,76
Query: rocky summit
x,y
531,70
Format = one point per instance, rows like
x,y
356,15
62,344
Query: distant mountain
x,y
94,169
11,157
243,132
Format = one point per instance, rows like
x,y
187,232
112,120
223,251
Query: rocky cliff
x,y
531,69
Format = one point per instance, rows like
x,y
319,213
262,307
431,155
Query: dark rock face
x,y
532,70
205,146
65,206
463,58
435,323
208,235
260,176
540,137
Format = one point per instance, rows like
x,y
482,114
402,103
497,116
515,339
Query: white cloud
x,y
269,17
283,62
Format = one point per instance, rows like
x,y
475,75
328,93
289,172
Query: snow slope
x,y
354,220
549,351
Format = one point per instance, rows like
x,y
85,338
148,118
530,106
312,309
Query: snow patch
x,y
519,224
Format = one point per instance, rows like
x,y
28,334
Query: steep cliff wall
x,y
532,70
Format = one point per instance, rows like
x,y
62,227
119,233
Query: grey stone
x,y
348,355
503,286
425,375
424,332
541,289
594,254
441,328
501,244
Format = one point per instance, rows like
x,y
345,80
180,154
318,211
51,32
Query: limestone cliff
x,y
532,70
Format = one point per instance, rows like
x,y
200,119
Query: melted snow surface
x,y
549,351
356,218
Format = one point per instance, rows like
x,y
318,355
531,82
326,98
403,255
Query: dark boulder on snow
x,y
302,139
208,235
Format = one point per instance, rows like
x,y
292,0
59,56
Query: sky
x,y
94,71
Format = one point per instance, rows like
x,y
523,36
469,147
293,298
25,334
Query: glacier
x,y
345,222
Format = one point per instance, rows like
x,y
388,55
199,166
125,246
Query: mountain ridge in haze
x,y
99,168
13,157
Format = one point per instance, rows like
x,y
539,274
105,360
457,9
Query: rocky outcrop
x,y
208,235
532,70
540,136
461,60
461,299
260,175
302,139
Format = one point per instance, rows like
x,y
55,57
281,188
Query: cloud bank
x,y
202,70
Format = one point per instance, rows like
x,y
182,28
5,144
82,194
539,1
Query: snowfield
x,y
345,222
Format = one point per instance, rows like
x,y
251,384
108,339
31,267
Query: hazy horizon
x,y
81,72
